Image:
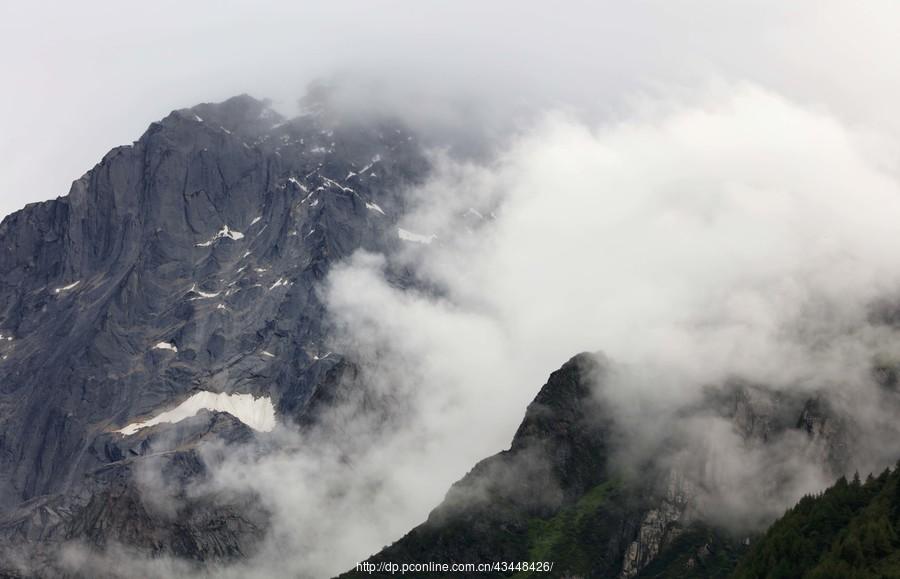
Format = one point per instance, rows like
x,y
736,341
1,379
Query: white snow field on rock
x,y
257,413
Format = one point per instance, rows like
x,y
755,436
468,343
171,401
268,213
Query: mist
x,y
81,79
742,236
703,192
738,236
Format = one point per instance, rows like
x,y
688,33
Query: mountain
x,y
167,311
183,268
556,495
849,530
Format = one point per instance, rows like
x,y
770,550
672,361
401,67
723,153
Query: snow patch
x,y
281,282
299,184
224,232
257,413
198,119
375,207
415,237
305,199
333,183
166,346
375,159
67,288
202,294
268,354
255,221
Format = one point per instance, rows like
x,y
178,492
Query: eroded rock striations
x,y
188,261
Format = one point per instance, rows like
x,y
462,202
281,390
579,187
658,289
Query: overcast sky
x,y
80,78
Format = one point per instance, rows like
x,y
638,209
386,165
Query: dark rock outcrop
x,y
520,505
557,495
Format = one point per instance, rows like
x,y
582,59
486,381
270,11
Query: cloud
x,y
735,223
469,69
742,235
715,195
738,236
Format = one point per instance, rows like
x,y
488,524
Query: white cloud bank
x,y
463,66
738,235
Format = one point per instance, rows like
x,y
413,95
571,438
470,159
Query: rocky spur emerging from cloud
x,y
741,237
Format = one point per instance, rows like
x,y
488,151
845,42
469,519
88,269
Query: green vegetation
x,y
850,531
569,538
700,551
548,536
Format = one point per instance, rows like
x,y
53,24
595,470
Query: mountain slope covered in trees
x,y
851,530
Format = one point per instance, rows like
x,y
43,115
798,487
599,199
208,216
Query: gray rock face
x,y
187,261
659,525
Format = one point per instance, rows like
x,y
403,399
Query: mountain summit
x,y
182,265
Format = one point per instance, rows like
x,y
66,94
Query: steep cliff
x,y
187,262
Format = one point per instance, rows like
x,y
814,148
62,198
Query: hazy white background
x,y
82,77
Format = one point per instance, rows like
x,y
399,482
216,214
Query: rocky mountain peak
x,y
209,235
